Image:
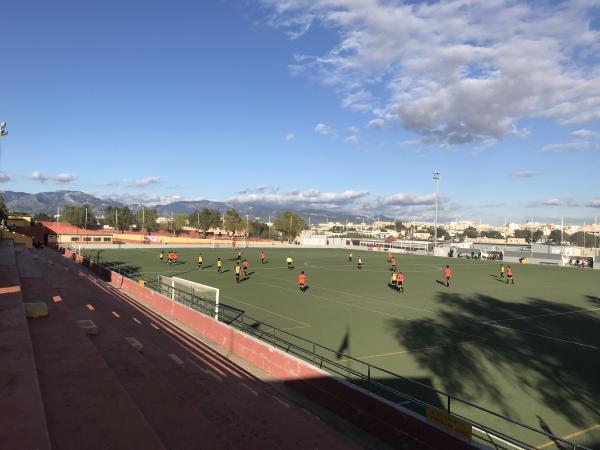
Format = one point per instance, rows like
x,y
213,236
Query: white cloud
x,y
525,174
406,199
38,176
144,199
582,134
571,147
376,124
352,139
457,71
310,197
323,129
64,178
4,178
290,137
145,182
595,203
553,202
353,129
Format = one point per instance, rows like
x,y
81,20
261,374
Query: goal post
x,y
197,296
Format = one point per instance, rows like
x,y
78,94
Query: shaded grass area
x,y
529,350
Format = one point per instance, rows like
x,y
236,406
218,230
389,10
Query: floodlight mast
x,y
3,132
436,178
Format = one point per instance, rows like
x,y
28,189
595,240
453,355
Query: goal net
x,y
197,296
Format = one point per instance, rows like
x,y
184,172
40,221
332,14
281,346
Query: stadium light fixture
x,y
436,178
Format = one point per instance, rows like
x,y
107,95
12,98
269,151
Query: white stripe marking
x,y
176,359
281,401
250,389
206,371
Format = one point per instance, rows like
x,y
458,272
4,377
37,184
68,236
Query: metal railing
x,y
408,393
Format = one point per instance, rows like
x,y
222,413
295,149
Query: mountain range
x,y
50,202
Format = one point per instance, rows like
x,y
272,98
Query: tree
x,y
289,224
579,239
471,232
537,235
522,234
442,234
3,209
492,234
556,236
259,229
205,220
179,221
146,219
41,217
232,221
80,216
119,218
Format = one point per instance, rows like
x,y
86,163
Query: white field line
x,y
542,315
543,336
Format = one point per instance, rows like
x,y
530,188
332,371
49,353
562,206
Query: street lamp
x,y
436,178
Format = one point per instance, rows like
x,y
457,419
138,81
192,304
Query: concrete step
x,y
23,422
86,405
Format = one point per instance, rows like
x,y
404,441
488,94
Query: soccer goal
x,y
197,296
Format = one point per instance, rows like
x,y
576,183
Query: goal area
x,y
201,297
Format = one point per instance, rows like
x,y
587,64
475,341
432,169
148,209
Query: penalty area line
x,y
542,336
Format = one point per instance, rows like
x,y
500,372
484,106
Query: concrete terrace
x,y
63,389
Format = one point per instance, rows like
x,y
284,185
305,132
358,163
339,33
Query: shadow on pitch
x,y
443,283
497,347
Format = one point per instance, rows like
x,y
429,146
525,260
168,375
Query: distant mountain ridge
x,y
49,202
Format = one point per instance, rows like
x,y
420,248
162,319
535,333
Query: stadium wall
x,y
395,425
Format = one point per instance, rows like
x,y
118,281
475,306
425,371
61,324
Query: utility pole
x,y
562,234
85,221
290,235
436,178
116,218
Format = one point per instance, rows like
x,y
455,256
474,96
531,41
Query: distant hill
x,y
48,202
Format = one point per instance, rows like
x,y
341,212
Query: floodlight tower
x,y
436,178
3,132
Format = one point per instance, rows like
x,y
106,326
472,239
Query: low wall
x,y
396,426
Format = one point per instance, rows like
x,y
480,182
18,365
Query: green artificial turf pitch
x,y
530,350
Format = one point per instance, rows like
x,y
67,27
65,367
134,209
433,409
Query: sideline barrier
x,y
309,367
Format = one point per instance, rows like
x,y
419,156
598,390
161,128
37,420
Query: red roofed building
x,y
51,233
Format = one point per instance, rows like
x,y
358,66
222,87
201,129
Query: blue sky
x,y
346,104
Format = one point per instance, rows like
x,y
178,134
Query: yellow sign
x,y
450,423
141,282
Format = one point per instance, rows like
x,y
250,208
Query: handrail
x,y
274,337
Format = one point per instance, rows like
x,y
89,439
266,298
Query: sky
x,y
331,104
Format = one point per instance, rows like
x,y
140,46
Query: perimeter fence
x,y
490,428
